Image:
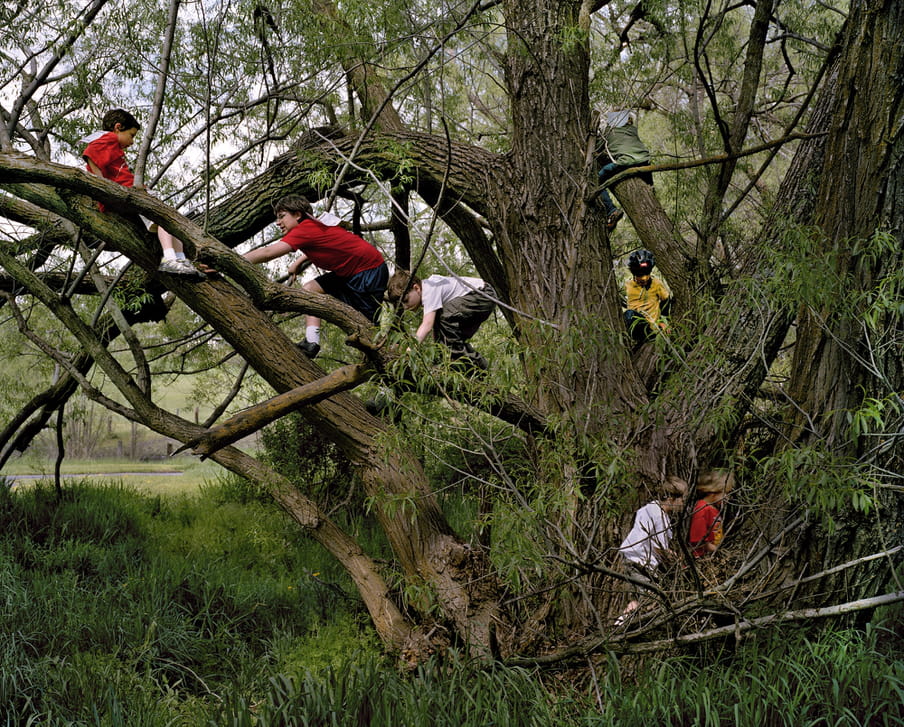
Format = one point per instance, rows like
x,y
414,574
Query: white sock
x,y
312,334
181,256
169,253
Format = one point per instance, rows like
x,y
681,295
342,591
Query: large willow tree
x,y
775,217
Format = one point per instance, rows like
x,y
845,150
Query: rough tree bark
x,y
849,344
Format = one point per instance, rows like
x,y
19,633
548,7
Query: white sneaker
x,y
180,267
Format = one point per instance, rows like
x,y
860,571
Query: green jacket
x,y
623,146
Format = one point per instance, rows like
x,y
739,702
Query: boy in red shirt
x,y
357,273
706,520
105,157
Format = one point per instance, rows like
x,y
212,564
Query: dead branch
x,y
621,644
744,625
258,416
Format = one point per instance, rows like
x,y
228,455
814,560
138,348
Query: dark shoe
x,y
613,219
309,349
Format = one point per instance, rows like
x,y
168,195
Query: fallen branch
x,y
621,644
254,418
740,627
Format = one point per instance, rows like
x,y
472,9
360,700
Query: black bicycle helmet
x,y
641,262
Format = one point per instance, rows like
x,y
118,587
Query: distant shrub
x,y
296,449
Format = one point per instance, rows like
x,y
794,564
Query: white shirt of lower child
x,y
437,290
652,529
330,220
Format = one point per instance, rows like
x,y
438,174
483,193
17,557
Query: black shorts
x,y
460,318
362,291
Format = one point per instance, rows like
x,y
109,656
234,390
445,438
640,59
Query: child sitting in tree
x,y
454,308
706,520
105,157
620,149
648,298
356,271
649,539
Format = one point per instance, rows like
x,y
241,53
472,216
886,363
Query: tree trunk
x,y
848,352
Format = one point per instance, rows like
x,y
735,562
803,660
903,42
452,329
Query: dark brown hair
x,y
400,283
119,116
294,203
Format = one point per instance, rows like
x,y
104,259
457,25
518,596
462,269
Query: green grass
x,y
150,607
193,473
127,609
843,680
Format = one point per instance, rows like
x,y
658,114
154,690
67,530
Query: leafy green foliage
x,y
131,292
296,449
829,485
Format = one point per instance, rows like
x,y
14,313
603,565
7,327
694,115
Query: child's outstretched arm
x,y
268,252
426,326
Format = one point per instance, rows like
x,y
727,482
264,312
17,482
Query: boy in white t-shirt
x,y
649,538
454,308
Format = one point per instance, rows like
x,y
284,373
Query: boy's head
x,y
121,117
123,124
641,263
294,203
405,287
715,484
674,490
290,210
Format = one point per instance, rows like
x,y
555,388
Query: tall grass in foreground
x,y
123,608
841,680
119,609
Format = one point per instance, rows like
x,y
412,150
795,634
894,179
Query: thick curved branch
x,y
393,627
260,415
419,535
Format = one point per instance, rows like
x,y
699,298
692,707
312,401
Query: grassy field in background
x,y
114,433
153,477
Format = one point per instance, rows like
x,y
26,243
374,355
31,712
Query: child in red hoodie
x,y
706,520
105,157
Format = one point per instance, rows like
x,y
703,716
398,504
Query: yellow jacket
x,y
647,300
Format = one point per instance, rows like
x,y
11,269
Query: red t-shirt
x,y
108,156
333,248
706,527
